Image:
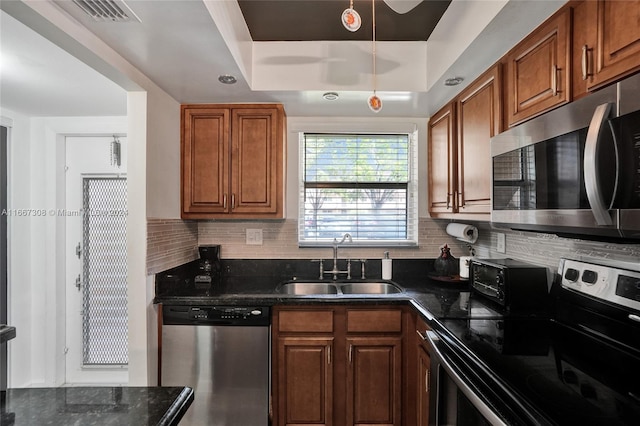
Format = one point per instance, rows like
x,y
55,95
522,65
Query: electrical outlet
x,y
254,237
502,243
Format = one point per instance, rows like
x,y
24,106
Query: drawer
x,y
375,320
309,321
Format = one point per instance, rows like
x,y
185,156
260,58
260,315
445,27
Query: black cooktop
x,y
561,371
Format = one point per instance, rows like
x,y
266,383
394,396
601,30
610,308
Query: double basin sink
x,y
337,288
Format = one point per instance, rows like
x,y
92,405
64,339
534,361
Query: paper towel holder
x,y
463,232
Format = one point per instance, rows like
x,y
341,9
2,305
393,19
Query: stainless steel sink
x,y
303,288
307,288
370,288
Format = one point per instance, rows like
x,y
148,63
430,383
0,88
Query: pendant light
x,y
374,102
351,19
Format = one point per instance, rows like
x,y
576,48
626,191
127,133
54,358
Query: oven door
x,y
456,398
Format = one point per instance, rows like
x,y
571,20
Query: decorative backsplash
x,y
172,242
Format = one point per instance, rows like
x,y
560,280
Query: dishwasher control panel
x,y
216,315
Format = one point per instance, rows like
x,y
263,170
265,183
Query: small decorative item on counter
x,y
446,264
386,266
465,262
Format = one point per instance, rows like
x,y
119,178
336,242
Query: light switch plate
x,y
502,243
254,237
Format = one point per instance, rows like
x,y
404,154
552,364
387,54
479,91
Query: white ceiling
x,y
179,46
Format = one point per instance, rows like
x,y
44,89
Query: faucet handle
x,y
362,262
348,269
321,262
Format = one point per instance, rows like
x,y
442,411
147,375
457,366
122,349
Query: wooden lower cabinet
x,y
305,378
349,371
374,380
422,376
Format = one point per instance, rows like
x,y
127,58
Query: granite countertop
x,y
88,406
256,281
7,333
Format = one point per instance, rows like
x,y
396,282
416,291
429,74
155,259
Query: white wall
x,y
19,234
36,242
152,128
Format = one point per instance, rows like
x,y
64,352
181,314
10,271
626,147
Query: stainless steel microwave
x,y
574,171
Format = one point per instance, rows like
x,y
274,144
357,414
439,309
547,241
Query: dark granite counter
x,y
254,283
88,406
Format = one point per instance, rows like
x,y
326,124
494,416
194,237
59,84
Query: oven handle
x,y
475,400
591,178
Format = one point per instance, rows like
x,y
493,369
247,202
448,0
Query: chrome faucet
x,y
335,271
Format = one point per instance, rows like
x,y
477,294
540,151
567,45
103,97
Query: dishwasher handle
x,y
475,400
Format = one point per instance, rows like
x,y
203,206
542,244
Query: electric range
x,y
575,363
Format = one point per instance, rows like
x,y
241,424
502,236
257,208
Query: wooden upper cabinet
x,y
205,169
538,70
442,161
479,118
606,42
459,150
233,161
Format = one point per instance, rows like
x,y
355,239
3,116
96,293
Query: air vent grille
x,y
107,10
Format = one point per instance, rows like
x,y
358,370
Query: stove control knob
x,y
572,275
589,277
256,312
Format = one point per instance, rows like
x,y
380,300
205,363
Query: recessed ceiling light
x,y
331,96
453,81
227,79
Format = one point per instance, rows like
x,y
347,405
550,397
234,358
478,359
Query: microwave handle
x,y
591,178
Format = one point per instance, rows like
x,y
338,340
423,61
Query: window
x,y
362,184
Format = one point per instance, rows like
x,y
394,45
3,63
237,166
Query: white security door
x,y
96,298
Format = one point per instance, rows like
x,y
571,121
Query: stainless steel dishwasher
x,y
223,353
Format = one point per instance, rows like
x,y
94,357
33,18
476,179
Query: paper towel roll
x,y
463,232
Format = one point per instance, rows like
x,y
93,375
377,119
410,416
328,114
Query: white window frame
x,y
412,189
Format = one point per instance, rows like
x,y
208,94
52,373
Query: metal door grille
x,y
104,297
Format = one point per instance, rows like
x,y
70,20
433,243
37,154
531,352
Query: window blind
x,y
357,183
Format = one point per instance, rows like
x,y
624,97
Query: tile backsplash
x,y
172,242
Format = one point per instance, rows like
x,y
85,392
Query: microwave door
x,y
601,165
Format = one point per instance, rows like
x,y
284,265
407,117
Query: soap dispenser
x,y
386,266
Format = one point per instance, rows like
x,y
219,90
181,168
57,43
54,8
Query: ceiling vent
x,y
107,10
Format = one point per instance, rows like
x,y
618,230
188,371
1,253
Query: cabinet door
x,y
305,381
538,70
479,119
256,161
205,165
617,52
374,379
424,379
442,157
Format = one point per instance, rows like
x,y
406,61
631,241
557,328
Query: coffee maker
x,y
209,267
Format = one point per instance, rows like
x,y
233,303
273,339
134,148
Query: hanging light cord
x,y
373,12
351,4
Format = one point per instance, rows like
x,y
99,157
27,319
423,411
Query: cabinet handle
x,y
329,355
224,201
554,79
233,201
585,62
460,199
448,200
427,375
421,335
350,353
